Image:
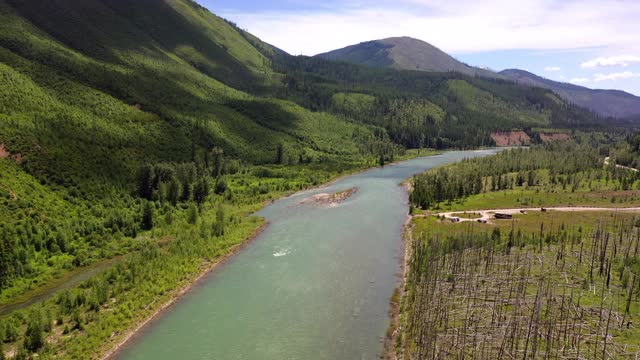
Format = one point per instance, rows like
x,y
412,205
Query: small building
x,y
501,216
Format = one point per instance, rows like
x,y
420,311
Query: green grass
x,y
536,198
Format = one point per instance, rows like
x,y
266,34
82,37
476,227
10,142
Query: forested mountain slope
x,y
614,103
92,90
152,78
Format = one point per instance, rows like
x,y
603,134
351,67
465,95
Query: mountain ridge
x,y
614,103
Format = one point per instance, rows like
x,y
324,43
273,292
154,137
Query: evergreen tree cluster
x,y
568,164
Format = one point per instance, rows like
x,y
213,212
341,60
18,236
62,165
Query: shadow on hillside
x,y
109,29
269,114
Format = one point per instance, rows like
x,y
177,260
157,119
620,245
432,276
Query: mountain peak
x,y
403,53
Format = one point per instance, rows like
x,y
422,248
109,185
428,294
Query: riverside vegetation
x,y
147,132
543,285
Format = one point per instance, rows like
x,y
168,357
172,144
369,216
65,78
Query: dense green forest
x,y
555,167
147,132
627,153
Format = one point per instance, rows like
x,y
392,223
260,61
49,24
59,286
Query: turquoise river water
x,y
314,285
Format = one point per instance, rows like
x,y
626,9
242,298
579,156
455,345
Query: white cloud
x,y
461,26
552,68
615,76
622,60
579,80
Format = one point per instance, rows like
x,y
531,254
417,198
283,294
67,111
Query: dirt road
x,y
487,215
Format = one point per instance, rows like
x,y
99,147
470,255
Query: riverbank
x,y
113,351
53,286
395,326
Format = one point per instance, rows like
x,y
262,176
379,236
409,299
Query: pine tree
x,y
147,216
35,336
218,161
280,154
201,191
145,182
221,186
218,227
173,192
192,214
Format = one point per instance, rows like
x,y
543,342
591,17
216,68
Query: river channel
x,y
314,285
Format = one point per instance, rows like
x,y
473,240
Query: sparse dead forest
x,y
527,289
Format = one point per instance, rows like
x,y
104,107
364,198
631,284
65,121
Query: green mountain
x,y
613,103
404,53
146,80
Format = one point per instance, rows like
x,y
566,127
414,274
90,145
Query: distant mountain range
x,y
614,103
405,53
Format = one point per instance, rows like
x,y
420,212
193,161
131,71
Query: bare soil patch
x,y
511,138
4,153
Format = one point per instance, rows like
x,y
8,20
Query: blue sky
x,y
594,43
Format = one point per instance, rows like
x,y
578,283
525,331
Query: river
x,y
314,285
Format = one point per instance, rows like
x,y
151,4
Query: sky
x,y
593,43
